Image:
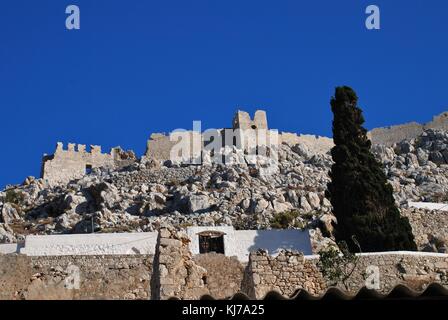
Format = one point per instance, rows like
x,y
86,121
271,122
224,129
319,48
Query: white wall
x,y
91,244
236,243
241,243
429,205
10,248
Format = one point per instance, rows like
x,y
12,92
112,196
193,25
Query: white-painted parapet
x,y
10,248
429,205
91,244
241,243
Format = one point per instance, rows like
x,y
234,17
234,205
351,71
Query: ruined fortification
x,y
395,134
244,132
75,162
159,145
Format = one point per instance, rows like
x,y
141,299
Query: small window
x,y
88,169
211,242
254,127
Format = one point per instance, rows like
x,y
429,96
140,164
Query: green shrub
x,y
12,196
285,220
338,266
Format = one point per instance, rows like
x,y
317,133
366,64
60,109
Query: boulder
x,y
9,213
198,203
74,203
302,150
6,234
261,205
328,221
280,207
313,200
305,205
422,156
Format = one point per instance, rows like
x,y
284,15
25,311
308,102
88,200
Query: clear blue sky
x,y
137,67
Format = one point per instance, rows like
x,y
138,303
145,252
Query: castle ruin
x,y
75,162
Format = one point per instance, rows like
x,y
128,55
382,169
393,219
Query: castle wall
x,y
395,134
66,165
438,122
315,144
242,120
159,147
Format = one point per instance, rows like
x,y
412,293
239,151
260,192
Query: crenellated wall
x,y
75,162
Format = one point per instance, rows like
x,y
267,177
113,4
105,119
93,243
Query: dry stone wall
x,y
224,276
430,228
285,274
55,278
173,272
176,274
291,271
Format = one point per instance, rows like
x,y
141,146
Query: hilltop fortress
x,y
145,227
75,162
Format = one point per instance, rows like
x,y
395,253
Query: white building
x,y
224,240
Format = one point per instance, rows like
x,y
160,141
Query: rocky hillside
x,y
144,196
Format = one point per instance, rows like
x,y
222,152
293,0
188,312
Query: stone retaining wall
x,y
174,272
430,228
75,277
290,271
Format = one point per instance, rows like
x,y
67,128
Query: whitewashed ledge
x,y
10,248
392,253
429,205
91,244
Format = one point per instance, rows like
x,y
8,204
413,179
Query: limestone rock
x,y
9,213
6,234
313,200
198,203
305,205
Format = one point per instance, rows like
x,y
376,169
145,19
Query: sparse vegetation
x,y
338,266
286,220
14,197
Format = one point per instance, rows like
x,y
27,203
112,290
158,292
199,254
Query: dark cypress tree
x,y
362,199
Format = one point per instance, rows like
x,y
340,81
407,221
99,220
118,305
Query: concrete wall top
x,y
10,248
91,244
429,205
